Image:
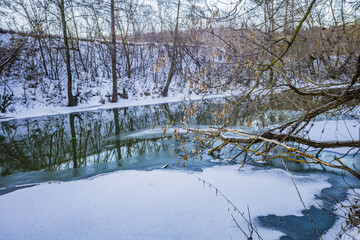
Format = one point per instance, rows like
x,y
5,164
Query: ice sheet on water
x,y
160,204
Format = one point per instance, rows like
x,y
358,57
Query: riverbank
x,y
38,109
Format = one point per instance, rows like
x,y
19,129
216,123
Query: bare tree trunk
x,y
126,48
174,54
128,61
114,97
74,56
77,38
265,16
286,18
71,99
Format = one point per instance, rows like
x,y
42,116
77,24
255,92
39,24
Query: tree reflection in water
x,y
60,142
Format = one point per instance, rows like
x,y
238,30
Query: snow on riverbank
x,y
160,204
44,110
333,131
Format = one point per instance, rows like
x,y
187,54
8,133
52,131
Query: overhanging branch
x,y
277,139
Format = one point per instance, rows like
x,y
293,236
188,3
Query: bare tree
x,y
71,99
174,52
114,97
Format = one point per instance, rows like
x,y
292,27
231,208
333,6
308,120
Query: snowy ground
x,y
160,204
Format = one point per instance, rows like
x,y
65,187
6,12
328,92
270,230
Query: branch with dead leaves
x,y
247,138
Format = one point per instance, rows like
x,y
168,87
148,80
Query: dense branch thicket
x,y
303,57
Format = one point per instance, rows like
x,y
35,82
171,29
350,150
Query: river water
x,y
81,145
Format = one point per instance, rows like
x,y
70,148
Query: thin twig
x,y
233,205
302,201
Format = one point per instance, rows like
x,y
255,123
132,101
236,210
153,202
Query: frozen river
x,y
99,175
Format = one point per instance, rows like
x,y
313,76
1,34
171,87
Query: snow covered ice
x,y
159,204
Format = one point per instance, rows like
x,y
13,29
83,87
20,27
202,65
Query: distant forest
x,y
70,48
